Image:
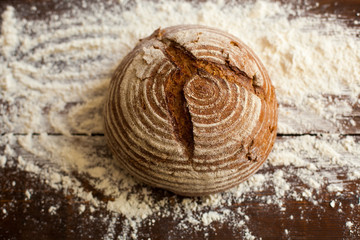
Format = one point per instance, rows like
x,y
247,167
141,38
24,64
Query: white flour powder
x,y
54,76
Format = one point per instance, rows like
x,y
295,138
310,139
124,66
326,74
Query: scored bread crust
x,y
191,109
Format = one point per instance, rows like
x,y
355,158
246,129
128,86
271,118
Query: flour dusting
x,y
54,77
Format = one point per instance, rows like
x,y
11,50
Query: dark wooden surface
x,y
29,218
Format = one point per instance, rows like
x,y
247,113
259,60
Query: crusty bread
x,y
191,109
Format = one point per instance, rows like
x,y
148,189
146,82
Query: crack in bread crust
x,y
176,102
187,66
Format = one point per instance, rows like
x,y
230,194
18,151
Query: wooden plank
x,y
292,120
18,114
293,214
345,122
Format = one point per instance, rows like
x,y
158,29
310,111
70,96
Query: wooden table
x,y
29,218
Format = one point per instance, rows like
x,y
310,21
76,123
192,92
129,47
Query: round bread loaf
x,y
191,109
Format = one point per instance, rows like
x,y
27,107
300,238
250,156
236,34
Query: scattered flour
x,y
82,208
210,216
349,224
52,210
54,76
27,194
2,161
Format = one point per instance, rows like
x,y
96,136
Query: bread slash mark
x,y
176,102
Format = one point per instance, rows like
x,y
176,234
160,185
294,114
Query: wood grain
x,y
26,217
30,218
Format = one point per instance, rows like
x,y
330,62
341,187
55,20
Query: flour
x,y
27,194
3,161
349,224
10,38
54,76
52,210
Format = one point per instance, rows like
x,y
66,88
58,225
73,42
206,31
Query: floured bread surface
x,y
192,110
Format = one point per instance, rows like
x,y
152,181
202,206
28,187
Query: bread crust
x,y
191,109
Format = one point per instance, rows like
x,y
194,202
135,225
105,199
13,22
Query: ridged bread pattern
x,y
191,109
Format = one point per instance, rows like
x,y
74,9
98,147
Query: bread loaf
x,y
191,109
